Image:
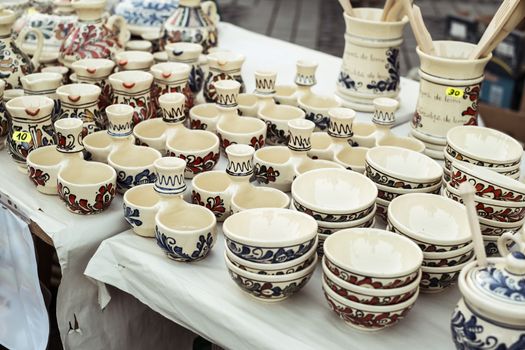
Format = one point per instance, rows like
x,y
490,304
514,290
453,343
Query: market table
x,y
202,297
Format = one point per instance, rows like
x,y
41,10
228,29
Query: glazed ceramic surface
x,y
44,84
190,54
223,65
134,60
145,16
172,77
81,101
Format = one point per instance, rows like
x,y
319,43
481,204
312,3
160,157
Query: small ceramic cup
x,y
244,131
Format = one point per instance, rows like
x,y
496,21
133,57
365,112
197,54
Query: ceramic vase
x,y
370,65
44,84
93,36
188,53
193,22
223,65
81,101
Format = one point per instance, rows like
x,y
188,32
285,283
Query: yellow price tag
x,y
21,136
453,92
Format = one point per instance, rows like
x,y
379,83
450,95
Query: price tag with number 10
x,y
21,136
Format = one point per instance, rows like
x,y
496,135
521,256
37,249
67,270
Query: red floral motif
x,y
103,199
487,191
197,164
197,124
257,143
416,120
503,215
471,93
38,176
214,204
225,142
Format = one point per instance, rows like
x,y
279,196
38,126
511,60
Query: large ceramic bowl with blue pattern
x,y
270,235
143,16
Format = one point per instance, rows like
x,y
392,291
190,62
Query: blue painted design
x,y
501,284
321,121
390,84
132,216
268,255
146,13
125,182
196,79
170,247
346,81
268,290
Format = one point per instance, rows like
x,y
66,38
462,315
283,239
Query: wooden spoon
x,y
347,7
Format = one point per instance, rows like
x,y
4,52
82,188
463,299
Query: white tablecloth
x,y
202,297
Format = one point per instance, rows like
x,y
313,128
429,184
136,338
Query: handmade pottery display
x,y
304,81
134,89
17,6
278,166
199,148
145,16
93,35
492,301
448,93
53,25
377,260
190,54
85,187
30,126
133,164
193,22
14,62
439,226
397,171
370,65
63,71
44,84
139,45
134,60
97,71
221,191
267,239
223,65
171,77
81,101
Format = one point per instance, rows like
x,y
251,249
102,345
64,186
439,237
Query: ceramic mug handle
x,y
120,23
39,43
210,9
509,237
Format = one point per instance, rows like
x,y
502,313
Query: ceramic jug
x,y
93,36
30,127
97,71
14,63
223,65
80,101
44,84
190,54
193,22
171,77
134,88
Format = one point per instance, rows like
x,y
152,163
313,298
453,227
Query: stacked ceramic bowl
x,y
485,147
370,276
439,226
500,200
397,171
336,198
270,253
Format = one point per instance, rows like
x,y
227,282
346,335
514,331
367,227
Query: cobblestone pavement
x,y
319,24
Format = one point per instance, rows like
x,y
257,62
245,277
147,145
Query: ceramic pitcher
x,y
193,22
223,65
30,127
370,65
14,63
134,88
93,36
97,71
171,77
190,54
81,101
44,84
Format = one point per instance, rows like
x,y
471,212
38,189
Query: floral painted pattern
x,y
333,217
132,216
214,204
125,181
265,175
483,189
472,94
176,252
196,164
275,135
103,198
392,66
38,176
264,255
390,181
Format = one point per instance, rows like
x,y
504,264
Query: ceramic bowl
x,y
204,117
369,296
316,108
43,165
399,167
210,191
269,235
329,230
496,228
452,258
276,118
364,135
352,158
438,279
187,233
199,148
258,197
248,104
87,187
334,195
324,233
270,287
367,317
373,258
345,224
402,142
434,223
390,193
488,183
244,131
134,166
511,171
284,268
310,165
134,60
140,207
382,209
491,209
273,167
285,95
483,146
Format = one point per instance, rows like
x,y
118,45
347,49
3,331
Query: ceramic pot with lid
x,y
491,313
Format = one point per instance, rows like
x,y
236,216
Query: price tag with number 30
x,y
453,92
21,136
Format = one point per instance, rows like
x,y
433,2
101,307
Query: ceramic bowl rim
x,y
488,201
274,191
208,134
111,179
402,191
128,193
448,269
260,130
114,164
192,207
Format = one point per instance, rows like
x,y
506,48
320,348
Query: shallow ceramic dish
x,y
270,287
369,296
488,183
483,146
204,117
373,258
399,167
334,195
435,223
269,235
274,269
367,317
492,209
438,279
